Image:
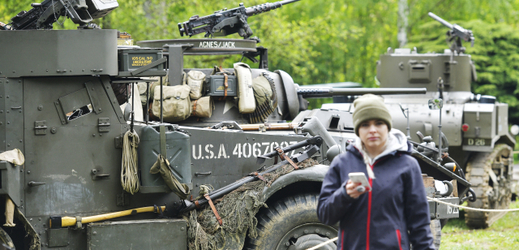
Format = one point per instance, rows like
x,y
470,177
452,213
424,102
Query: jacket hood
x,y
396,142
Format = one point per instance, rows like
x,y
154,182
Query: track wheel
x,y
436,230
490,176
291,223
6,240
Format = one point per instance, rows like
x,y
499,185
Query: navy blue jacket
x,y
393,215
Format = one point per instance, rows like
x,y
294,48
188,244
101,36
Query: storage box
x,y
215,85
134,58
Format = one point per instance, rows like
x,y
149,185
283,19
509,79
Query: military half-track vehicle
x,y
78,171
473,127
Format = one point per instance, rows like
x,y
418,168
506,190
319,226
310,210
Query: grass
x,y
502,235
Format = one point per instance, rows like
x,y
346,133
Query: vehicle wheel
x,y
436,230
6,239
292,223
490,178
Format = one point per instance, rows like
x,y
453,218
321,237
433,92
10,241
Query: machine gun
x,y
455,33
226,22
44,14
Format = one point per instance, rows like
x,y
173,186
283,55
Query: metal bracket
x,y
96,175
40,127
103,124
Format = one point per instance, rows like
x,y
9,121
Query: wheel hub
x,y
308,235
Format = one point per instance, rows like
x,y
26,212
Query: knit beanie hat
x,y
369,107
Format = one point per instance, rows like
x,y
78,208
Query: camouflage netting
x,y
237,210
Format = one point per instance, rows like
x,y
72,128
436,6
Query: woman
x,y
394,213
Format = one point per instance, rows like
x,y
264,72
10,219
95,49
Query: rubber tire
x,y
436,230
284,217
6,239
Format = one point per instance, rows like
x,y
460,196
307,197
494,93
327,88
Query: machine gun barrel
x,y
439,19
310,92
456,31
266,7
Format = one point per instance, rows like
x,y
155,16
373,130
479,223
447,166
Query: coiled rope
x,y
435,200
129,171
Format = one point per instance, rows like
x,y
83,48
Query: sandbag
x,y
202,107
176,103
195,80
246,102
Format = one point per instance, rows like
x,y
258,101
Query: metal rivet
x,y
40,108
28,172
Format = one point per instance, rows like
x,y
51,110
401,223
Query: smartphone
x,y
359,177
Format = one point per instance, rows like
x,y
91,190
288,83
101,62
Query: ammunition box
x,y
215,85
134,58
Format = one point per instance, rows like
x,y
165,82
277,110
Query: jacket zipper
x,y
369,207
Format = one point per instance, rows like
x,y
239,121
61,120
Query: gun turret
x,y
455,33
44,14
226,22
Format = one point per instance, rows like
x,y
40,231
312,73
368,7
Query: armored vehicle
x,y
168,169
473,127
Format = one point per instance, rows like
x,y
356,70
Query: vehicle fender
x,y
313,174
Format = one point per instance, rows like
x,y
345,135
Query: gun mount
x,y
455,35
44,14
226,22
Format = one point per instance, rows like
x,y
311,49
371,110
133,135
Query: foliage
x,y
501,235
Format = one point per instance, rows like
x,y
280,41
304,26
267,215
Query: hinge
x,y
40,127
103,124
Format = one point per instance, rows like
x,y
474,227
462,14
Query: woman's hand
x,y
351,189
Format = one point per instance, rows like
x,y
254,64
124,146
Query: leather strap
x,y
194,107
284,157
225,84
214,209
